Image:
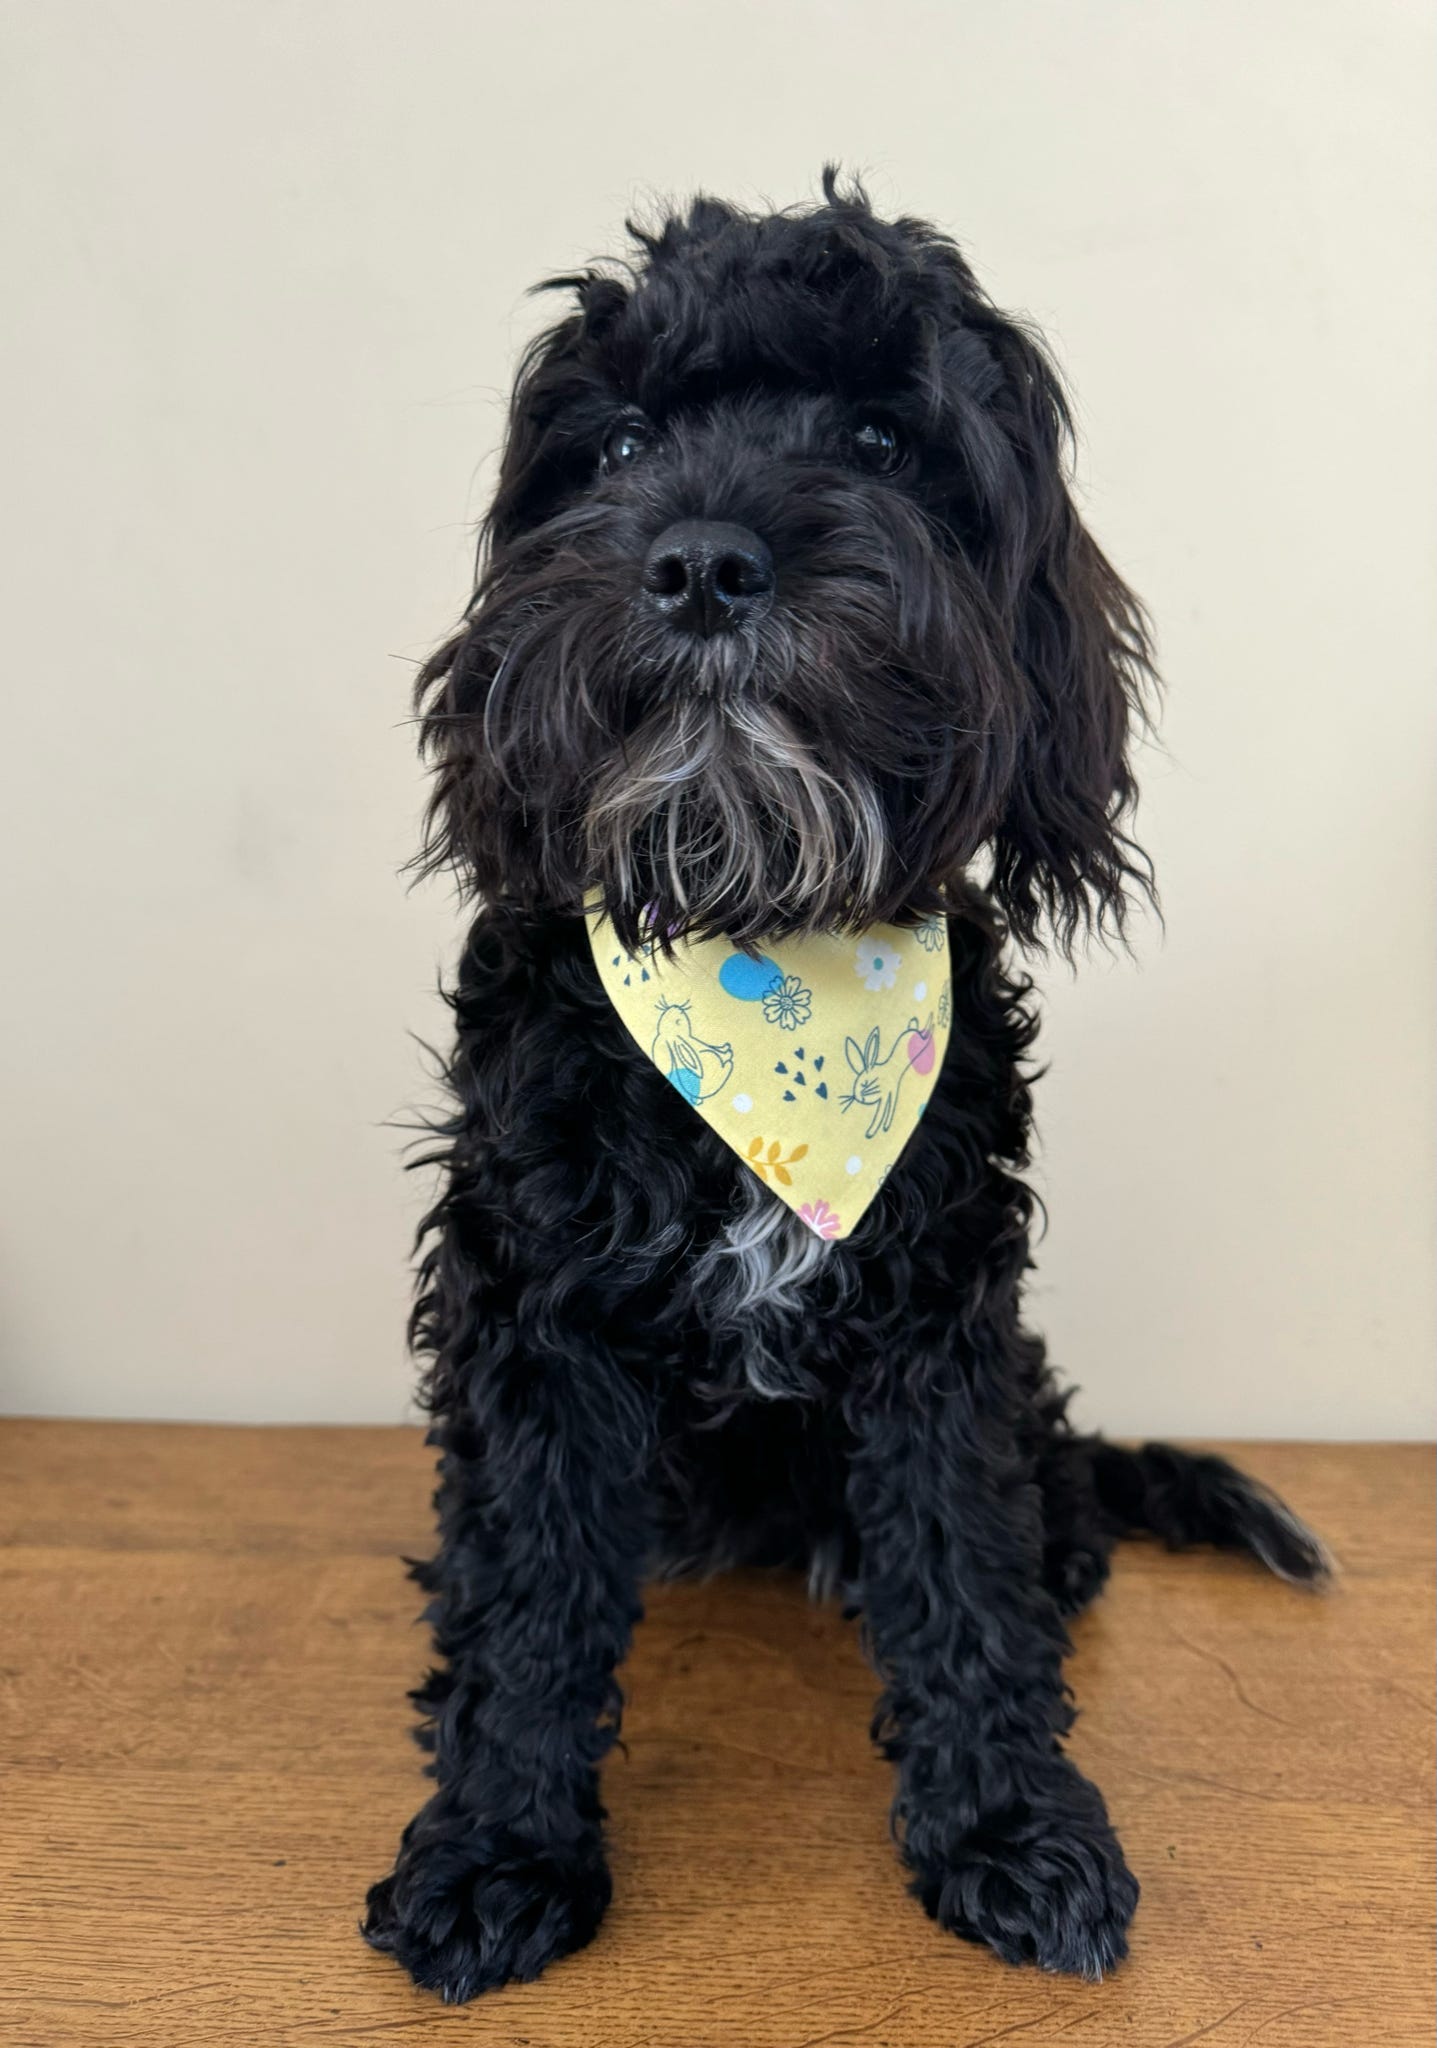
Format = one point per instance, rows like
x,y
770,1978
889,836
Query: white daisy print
x,y
788,1003
876,965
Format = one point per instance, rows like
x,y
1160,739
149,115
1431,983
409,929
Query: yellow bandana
x,y
814,1060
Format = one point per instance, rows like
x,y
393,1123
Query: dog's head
x,y
785,615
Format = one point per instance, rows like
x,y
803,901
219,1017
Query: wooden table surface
x,y
205,1755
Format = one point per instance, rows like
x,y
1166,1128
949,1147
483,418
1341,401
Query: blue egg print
x,y
687,1082
747,979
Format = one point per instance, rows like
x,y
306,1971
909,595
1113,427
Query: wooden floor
x,y
205,1638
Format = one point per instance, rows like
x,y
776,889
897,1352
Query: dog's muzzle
x,y
706,577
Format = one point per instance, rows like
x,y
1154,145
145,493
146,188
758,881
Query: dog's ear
x,y
1063,861
474,822
551,414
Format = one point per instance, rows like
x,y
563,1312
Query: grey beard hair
x,y
724,800
754,1277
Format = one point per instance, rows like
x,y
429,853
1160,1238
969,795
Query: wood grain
x,y
207,1638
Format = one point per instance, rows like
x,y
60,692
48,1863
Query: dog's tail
x,y
1186,1497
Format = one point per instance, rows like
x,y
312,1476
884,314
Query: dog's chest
x,y
752,1286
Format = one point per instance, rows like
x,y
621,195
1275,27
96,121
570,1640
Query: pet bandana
x,y
814,1059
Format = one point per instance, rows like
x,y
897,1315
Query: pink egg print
x,y
920,1051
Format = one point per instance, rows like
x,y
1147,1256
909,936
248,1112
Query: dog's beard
x,y
821,769
720,816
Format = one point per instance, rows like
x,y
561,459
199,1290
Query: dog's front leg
x,y
535,1593
1008,1843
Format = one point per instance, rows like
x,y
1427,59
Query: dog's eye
x,y
877,446
625,441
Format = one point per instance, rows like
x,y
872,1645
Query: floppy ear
x,y
556,400
474,822
1061,853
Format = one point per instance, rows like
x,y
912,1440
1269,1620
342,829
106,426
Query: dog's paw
x,y
1075,1574
1045,1882
464,1913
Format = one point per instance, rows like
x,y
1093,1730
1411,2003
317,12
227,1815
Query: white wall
x,y
267,262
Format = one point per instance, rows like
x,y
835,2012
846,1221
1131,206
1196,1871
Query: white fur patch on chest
x,y
752,1282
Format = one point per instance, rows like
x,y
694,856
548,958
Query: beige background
x,y
268,264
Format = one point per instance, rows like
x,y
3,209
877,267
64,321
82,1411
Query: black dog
x,y
787,624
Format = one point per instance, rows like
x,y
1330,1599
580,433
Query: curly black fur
x,y
945,675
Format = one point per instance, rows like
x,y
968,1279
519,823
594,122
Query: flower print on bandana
x,y
931,934
821,1220
788,1003
876,965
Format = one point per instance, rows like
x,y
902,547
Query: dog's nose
x,y
705,575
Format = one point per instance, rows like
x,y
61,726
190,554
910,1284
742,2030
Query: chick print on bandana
x,y
813,1058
